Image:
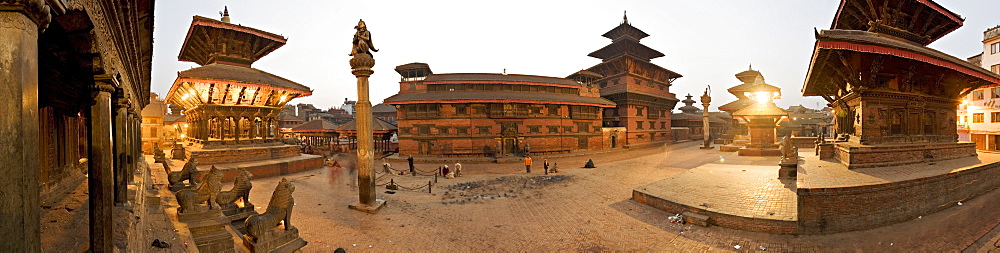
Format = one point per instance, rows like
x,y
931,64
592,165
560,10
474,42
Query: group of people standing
x,y
545,165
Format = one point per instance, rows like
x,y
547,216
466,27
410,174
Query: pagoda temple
x,y
227,103
640,88
738,131
893,97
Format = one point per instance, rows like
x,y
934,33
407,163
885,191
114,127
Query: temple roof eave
x,y
268,44
866,42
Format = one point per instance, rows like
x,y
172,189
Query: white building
x,y
979,114
348,106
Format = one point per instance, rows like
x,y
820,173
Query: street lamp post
x,y
706,130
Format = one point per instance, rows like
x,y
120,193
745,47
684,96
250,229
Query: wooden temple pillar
x,y
120,124
19,225
135,139
101,164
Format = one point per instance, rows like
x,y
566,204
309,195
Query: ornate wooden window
x,y
553,110
995,68
638,125
422,111
663,125
977,118
929,123
583,126
638,110
996,92
896,123
508,110
567,129
462,130
584,112
553,129
483,129
460,109
534,129
994,117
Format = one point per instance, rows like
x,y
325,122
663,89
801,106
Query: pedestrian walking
x,y
409,160
527,163
545,165
555,168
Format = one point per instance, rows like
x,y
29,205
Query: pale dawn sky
x,y
706,41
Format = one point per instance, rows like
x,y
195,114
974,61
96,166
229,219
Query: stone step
x,y
697,219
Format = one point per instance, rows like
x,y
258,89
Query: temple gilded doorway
x,y
509,146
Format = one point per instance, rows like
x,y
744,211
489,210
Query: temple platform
x,y
827,197
267,168
745,197
237,154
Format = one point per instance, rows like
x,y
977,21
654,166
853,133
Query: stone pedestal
x,y
275,241
238,215
825,150
178,152
208,227
372,208
788,170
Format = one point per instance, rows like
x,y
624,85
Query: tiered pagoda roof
x,y
625,40
753,81
226,52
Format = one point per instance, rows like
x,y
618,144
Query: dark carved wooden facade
x,y
76,74
886,87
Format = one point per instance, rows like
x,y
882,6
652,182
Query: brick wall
x,y
718,219
834,210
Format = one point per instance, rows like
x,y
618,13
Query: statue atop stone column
x,y
362,40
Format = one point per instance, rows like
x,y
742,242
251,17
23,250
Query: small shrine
x,y
761,117
736,137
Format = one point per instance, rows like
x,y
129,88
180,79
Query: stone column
x,y
135,135
19,206
101,167
120,114
361,68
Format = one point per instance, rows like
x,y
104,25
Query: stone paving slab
x,y
828,173
752,191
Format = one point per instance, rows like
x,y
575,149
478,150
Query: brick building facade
x,y
461,114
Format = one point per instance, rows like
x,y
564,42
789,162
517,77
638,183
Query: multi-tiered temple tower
x,y
640,88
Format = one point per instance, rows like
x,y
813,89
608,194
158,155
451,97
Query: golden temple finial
x,y
751,66
225,15
625,18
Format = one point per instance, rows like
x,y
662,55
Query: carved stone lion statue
x,y
241,189
278,209
208,191
186,173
